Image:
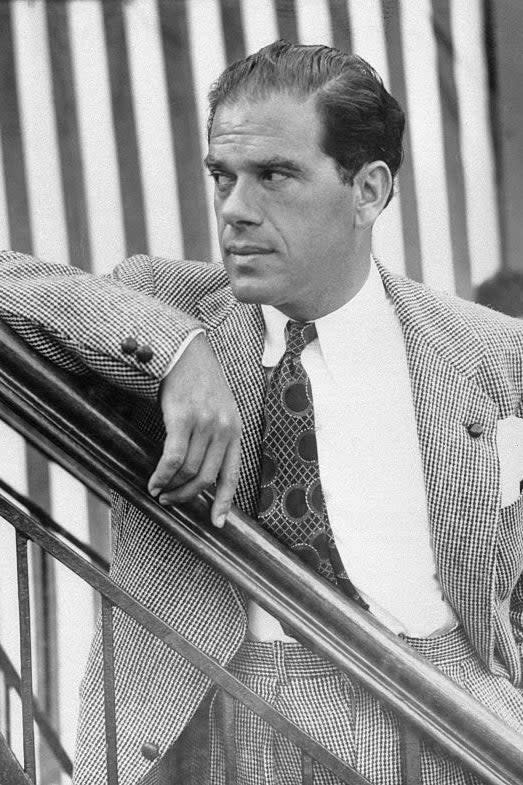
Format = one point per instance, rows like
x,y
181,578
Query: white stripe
x,y
426,137
14,472
155,141
91,81
368,37
260,23
74,602
39,135
313,22
208,61
480,189
5,240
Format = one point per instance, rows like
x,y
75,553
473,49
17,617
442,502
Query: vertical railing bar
x,y
225,704
410,755
26,666
109,693
307,772
7,711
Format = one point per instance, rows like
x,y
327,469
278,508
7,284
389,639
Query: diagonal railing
x,y
48,410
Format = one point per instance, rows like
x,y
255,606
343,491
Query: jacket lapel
x,y
236,333
461,471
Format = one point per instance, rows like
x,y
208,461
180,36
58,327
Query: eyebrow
x,y
274,162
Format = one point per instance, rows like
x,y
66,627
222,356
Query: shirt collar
x,y
357,319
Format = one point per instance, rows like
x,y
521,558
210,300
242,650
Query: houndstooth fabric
x,y
343,716
465,366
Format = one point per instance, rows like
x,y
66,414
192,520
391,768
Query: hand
x,y
202,445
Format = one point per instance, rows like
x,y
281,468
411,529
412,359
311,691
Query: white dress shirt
x,y
370,462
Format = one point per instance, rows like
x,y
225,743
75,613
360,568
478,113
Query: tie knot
x,y
298,335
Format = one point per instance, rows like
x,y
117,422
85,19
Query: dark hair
x,y
362,122
503,292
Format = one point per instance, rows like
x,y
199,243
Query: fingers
x,y
226,486
203,431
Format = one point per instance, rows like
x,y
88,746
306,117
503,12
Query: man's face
x,y
285,219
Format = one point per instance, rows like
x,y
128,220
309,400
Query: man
x,y
416,408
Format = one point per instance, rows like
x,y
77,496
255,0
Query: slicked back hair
x,y
361,121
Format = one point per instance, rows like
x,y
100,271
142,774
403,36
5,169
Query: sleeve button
x,y
144,354
129,345
475,429
150,750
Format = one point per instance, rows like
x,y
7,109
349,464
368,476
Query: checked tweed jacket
x,y
466,366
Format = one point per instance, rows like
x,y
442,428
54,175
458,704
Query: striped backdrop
x,y
102,124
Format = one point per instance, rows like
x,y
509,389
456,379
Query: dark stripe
x,y
14,165
131,192
494,107
340,25
70,154
286,18
19,220
231,14
184,125
454,174
409,204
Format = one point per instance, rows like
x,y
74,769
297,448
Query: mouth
x,y
247,250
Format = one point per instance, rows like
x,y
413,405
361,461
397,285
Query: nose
x,y
239,206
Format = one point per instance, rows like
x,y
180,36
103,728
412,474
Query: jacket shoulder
x,y
178,283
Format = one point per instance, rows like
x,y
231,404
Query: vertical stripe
x,y
39,139
125,130
286,16
424,113
208,61
155,141
452,146
36,466
95,122
313,22
12,153
494,103
341,28
470,71
72,604
507,18
184,124
71,162
368,38
232,26
406,183
5,242
261,24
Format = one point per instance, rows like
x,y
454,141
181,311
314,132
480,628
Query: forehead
x,y
278,124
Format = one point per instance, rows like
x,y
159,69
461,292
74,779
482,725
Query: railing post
x,y
109,695
410,755
26,665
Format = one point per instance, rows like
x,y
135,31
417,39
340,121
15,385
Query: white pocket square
x,y
510,452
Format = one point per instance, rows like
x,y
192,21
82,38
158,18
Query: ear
x,y
372,186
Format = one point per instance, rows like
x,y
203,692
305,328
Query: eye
x,y
274,176
222,180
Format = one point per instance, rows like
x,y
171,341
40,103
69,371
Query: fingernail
x,y
220,521
163,500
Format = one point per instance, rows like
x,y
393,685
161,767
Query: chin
x,y
250,292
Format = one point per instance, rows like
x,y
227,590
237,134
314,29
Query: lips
x,y
247,250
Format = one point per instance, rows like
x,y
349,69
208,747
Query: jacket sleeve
x,y
84,322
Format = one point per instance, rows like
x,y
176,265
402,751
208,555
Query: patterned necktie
x,y
291,504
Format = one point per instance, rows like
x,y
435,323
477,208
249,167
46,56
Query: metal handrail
x,y
42,403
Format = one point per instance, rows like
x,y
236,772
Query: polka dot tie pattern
x,y
291,504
